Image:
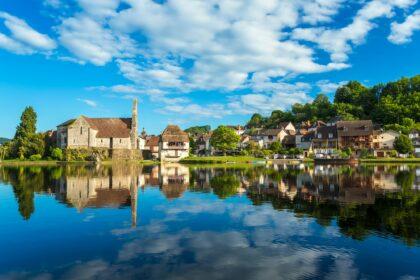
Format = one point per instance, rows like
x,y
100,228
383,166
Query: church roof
x,y
107,127
111,127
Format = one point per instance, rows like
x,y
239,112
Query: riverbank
x,y
55,162
222,159
390,160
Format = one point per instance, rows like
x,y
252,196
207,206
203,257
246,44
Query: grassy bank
x,y
221,159
390,160
14,162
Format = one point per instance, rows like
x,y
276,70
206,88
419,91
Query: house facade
x,y
357,135
174,144
383,142
325,140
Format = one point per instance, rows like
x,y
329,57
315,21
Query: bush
x,y
403,144
35,157
57,154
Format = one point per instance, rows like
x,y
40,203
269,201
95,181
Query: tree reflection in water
x,y
364,199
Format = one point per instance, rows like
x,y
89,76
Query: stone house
x,y
151,147
383,142
270,135
203,146
106,133
174,144
304,141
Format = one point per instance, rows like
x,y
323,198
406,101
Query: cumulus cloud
x,y
401,32
327,86
23,39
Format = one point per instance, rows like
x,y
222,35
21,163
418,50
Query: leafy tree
x,y
57,154
197,130
225,185
403,144
224,139
27,124
256,121
276,147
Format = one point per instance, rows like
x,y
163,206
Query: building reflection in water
x,y
300,188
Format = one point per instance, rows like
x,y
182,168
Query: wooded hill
x,y
393,103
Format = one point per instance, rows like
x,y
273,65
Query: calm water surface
x,y
180,222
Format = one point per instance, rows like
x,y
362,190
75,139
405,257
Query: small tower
x,y
134,125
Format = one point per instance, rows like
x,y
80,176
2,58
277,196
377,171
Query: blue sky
x,y
193,62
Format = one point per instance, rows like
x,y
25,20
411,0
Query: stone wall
x,y
125,154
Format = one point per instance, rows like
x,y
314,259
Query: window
x,y
120,141
81,130
330,135
319,135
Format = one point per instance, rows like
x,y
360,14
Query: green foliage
x,y
197,130
35,157
224,139
56,154
384,104
27,124
256,121
403,144
276,147
225,185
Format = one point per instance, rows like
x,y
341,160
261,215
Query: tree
x,y
224,139
225,185
27,124
403,144
256,121
276,147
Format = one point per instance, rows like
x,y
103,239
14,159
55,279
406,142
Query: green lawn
x,y
396,160
222,159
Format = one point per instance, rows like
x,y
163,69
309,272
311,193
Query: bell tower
x,y
134,125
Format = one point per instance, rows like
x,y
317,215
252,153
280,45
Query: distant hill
x,y
3,140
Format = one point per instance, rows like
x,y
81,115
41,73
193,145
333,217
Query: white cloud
x,y
23,39
327,86
401,32
339,42
88,102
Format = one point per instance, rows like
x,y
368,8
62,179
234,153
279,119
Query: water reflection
x,y
363,199
259,222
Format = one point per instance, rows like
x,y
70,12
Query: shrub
x,y
57,154
35,157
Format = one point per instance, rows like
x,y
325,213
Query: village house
x,y
357,135
174,144
239,130
270,135
325,141
151,147
203,146
383,142
288,127
116,134
304,141
415,139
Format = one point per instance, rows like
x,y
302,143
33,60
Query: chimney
x,y
134,125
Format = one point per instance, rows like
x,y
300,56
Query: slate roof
x,y
355,128
325,131
173,133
